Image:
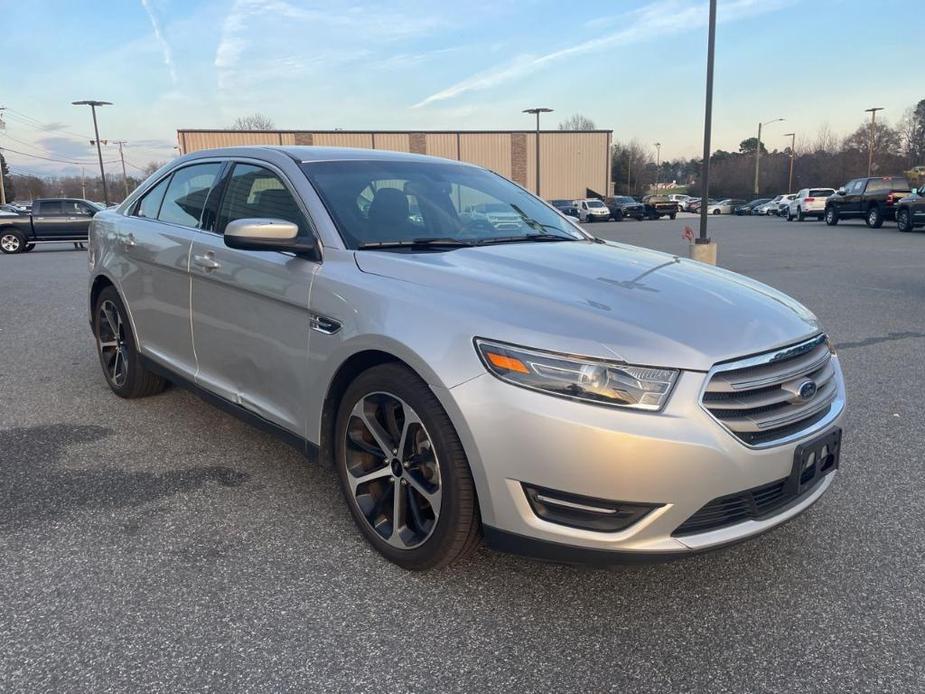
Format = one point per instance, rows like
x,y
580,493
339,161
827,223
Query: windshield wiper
x,y
415,243
523,237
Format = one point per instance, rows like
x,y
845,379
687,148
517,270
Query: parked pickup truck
x,y
52,220
870,199
658,206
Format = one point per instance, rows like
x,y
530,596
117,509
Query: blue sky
x,y
634,66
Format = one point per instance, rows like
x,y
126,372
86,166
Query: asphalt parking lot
x,y
163,545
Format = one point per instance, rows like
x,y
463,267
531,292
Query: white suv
x,y
809,202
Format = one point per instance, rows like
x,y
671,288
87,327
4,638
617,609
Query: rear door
x,y
48,220
250,308
155,242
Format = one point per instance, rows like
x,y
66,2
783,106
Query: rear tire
x,y
831,216
117,349
904,220
403,408
874,217
12,242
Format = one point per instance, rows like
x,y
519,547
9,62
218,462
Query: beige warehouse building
x,y
573,164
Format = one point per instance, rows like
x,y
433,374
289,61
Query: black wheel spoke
x,y
398,491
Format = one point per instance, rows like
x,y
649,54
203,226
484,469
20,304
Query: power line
x,y
59,161
31,122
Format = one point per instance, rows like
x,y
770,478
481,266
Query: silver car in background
x,y
533,386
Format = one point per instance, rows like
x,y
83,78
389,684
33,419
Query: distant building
x,y
573,163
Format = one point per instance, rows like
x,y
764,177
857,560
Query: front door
x,y
250,308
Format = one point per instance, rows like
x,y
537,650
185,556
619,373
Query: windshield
x,y
624,198
391,201
595,203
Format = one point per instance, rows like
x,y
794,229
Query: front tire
x,y
874,217
118,350
12,242
800,216
904,220
403,471
716,212
831,216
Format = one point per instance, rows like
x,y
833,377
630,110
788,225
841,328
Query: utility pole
x,y
83,183
870,136
658,162
2,183
758,149
537,111
96,131
703,249
122,157
793,144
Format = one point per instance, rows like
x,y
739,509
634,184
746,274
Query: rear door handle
x,y
207,262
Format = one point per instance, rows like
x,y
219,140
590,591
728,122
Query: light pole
x,y
793,144
703,249
537,112
658,161
758,149
96,132
870,136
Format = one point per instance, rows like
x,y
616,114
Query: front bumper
x,y
680,459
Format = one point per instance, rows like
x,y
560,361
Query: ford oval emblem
x,y
807,390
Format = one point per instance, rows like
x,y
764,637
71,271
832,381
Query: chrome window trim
x,y
837,405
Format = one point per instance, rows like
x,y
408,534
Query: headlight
x,y
600,382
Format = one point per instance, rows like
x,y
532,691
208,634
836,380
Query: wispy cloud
x,y
656,20
269,38
162,42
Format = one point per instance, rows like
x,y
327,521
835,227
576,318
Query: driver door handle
x,y
207,262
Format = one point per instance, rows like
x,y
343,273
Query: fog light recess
x,y
585,512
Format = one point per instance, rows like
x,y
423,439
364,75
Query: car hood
x,y
606,300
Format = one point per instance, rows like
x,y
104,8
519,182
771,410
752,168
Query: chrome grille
x,y
765,399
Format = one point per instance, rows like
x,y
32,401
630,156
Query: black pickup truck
x,y
870,199
52,220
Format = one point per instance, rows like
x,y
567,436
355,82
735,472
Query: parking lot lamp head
x,y
537,111
96,132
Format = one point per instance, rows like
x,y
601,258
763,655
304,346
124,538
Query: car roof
x,y
307,154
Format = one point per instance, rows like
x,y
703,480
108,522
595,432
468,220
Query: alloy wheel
x,y
10,243
111,343
392,470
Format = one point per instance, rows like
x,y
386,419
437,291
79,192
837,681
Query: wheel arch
x,y
349,369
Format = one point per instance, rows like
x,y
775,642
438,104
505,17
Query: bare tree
x,y
255,121
151,167
577,122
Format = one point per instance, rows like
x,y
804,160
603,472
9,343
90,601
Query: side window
x,y
150,204
50,208
856,186
254,191
186,194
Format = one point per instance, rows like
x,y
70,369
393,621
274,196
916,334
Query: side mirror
x,y
258,234
840,191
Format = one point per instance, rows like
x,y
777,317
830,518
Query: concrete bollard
x,y
703,252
